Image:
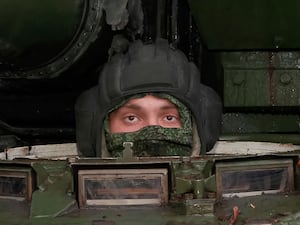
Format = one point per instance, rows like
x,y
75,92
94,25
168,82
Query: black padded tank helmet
x,y
147,68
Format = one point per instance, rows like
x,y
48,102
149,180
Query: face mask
x,y
152,141
155,140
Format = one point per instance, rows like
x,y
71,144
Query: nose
x,y
153,121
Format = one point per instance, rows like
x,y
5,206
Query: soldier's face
x,y
142,112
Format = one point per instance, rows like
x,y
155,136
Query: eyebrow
x,y
169,107
137,107
131,106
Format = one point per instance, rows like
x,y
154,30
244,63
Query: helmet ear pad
x,y
86,120
153,68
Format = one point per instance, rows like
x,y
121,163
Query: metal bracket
x,y
127,152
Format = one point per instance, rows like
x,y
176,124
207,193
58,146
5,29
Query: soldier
x,y
152,97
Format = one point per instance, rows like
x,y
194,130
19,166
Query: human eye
x,y
130,118
171,121
170,118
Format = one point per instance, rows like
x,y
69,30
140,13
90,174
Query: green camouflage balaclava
x,y
154,140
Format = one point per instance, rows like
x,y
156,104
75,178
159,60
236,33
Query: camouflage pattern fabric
x,y
154,140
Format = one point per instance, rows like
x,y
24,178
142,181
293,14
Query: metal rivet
x,y
285,78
